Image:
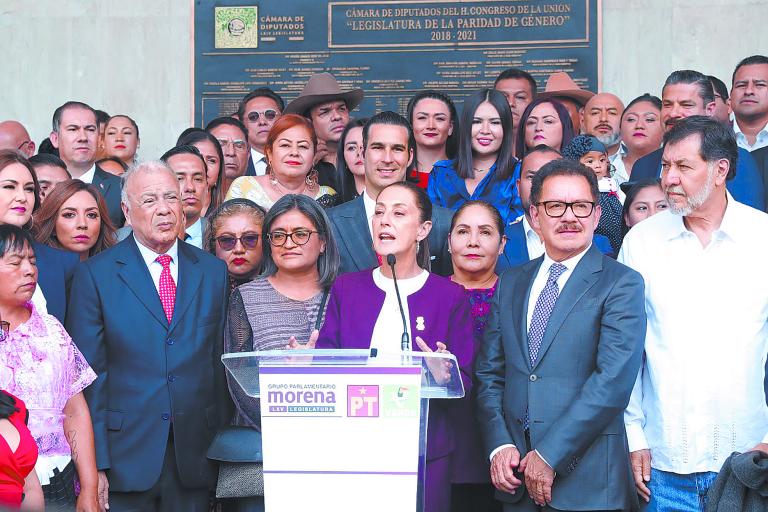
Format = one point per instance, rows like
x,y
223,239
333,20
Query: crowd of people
x,y
586,262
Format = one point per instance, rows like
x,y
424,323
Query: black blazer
x,y
109,185
152,375
55,269
353,237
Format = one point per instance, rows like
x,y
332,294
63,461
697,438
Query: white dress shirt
x,y
259,162
370,209
539,282
89,174
699,394
155,268
195,234
620,174
761,140
532,240
388,330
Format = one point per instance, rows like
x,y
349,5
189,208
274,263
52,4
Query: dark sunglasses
x,y
227,243
269,115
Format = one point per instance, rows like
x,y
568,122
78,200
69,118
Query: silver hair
x,y
138,168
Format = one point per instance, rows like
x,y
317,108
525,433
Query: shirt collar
x,y
528,229
737,129
730,227
149,256
88,176
570,263
256,156
620,153
196,229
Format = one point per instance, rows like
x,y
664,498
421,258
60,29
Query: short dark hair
x,y
113,159
691,77
101,117
56,120
424,204
261,92
717,140
719,87
563,167
541,148
42,159
392,119
520,74
505,161
749,61
226,120
562,114
452,141
329,261
14,238
185,149
47,148
647,97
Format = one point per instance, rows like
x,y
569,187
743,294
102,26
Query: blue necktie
x,y
543,309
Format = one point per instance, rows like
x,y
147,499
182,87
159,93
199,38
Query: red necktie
x,y
167,286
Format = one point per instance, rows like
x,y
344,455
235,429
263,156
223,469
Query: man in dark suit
x,y
556,369
149,316
689,93
523,243
75,134
258,111
388,142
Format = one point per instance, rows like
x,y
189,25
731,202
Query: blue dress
x,y
447,189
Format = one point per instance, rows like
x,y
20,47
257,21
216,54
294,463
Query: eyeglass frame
x,y
275,115
290,235
238,239
226,142
568,205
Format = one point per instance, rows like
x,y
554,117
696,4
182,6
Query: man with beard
x,y
706,297
689,93
601,118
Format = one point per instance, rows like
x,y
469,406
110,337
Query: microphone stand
x,y
405,342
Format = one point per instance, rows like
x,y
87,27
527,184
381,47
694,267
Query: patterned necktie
x,y
167,286
544,306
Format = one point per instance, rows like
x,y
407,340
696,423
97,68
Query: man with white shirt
x,y
190,168
148,315
749,101
258,111
699,395
556,366
523,242
388,144
75,134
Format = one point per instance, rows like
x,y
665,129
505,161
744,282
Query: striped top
x,y
261,318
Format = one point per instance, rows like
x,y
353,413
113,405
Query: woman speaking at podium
x,y
363,311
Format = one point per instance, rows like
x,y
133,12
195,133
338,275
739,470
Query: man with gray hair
x,y
149,315
699,395
689,93
75,134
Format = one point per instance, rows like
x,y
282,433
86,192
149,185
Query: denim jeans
x,y
681,493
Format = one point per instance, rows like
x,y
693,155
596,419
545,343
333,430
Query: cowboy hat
x,y
561,85
322,88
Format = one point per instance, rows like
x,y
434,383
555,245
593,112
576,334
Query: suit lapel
x,y
582,278
99,181
135,274
359,242
523,294
189,280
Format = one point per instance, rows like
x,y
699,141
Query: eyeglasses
x,y
269,115
5,328
557,209
227,242
240,145
24,144
299,237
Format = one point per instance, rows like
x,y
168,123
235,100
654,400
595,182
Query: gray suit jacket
x,y
350,228
577,390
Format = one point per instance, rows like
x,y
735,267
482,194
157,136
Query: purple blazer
x,y
353,308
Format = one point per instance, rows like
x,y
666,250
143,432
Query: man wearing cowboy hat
x,y
561,87
323,101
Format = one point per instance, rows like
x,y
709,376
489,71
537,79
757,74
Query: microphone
x,y
405,342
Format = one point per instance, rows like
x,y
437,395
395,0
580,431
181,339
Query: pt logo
x,y
363,401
